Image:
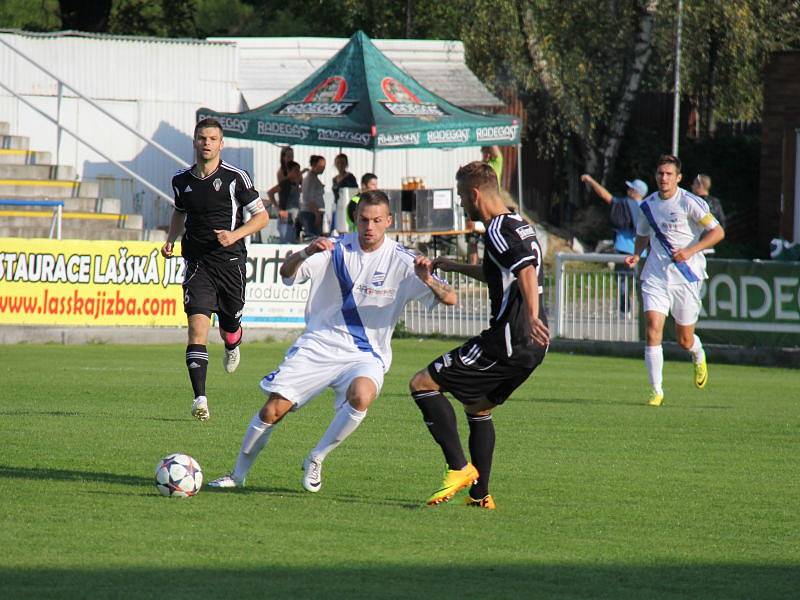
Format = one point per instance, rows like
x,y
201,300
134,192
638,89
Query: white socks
x,y
344,422
698,354
255,438
654,361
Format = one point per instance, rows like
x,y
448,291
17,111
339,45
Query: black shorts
x,y
214,289
470,376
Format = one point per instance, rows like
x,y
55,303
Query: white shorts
x,y
305,373
681,300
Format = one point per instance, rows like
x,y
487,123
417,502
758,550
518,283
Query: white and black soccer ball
x,y
178,476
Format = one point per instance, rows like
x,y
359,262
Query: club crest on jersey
x,y
525,231
378,278
217,184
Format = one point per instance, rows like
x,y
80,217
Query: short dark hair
x,y
367,177
291,165
343,156
374,198
315,158
207,123
478,174
669,159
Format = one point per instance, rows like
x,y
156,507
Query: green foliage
x,y
32,16
165,18
598,496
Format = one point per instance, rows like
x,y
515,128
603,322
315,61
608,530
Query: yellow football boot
x,y
454,481
655,399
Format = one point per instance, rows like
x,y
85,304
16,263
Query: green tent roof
x,y
361,99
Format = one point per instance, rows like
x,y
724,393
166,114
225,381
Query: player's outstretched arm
x,y
293,262
454,266
529,287
423,267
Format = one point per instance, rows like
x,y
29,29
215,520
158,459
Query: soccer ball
x,y
178,476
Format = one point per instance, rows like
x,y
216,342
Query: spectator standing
x,y
701,186
312,203
287,156
624,218
288,191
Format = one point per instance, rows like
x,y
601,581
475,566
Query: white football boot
x,y
200,409
226,481
312,474
230,360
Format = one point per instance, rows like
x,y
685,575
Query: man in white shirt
x,y
675,269
360,284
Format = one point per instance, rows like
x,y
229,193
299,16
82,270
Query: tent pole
x,y
519,175
374,158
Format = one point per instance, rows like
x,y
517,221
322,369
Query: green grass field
x,y
598,495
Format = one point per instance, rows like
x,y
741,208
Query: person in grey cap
x,y
624,217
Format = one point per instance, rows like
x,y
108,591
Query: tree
x,y
579,77
80,15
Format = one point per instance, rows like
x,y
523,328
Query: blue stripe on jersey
x,y
349,309
682,266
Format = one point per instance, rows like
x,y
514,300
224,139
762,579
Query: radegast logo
x,y
289,130
341,135
237,124
399,139
401,102
498,133
448,136
325,100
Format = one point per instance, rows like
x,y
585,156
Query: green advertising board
x,y
751,303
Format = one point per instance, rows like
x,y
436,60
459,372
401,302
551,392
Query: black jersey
x,y
213,202
510,246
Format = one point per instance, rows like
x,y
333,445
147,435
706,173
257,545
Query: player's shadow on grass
x,y
584,401
403,578
40,413
8,472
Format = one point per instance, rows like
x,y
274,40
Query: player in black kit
x,y
483,372
210,198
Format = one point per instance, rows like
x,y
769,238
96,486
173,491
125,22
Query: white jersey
x,y
673,224
356,297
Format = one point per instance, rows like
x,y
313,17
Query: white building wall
x,y
155,86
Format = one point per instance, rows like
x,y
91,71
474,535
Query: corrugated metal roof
x,y
269,67
111,36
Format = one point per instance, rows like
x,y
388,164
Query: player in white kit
x,y
670,225
360,284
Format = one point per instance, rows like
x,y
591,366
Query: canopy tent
x,y
361,99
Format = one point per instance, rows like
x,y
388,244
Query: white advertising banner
x,y
268,302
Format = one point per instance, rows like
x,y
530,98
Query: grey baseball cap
x,y
638,186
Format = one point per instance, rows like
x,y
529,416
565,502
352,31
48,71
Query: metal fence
x,y
586,298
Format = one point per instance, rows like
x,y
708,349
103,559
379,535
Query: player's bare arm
x,y
712,238
641,244
529,287
423,267
454,266
293,262
256,223
176,225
